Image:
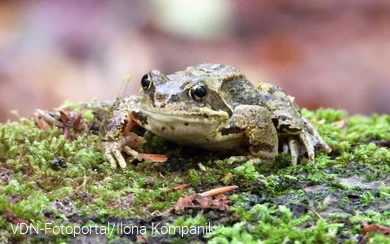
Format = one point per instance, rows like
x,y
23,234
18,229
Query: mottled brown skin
x,y
215,107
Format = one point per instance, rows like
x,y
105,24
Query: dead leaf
x,y
373,228
381,229
181,186
142,239
64,118
67,133
198,201
384,143
39,122
157,158
206,200
316,214
217,191
339,124
13,219
184,202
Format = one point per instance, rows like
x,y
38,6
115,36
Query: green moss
x,y
246,172
275,225
324,115
272,204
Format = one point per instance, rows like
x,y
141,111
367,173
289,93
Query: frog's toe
x,y
306,139
323,144
285,147
113,154
314,133
109,155
131,152
110,159
119,158
293,145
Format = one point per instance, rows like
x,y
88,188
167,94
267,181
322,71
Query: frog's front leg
x,y
256,124
113,154
115,130
112,150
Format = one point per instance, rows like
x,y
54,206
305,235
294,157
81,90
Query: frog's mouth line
x,y
185,116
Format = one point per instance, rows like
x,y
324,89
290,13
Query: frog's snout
x,y
161,100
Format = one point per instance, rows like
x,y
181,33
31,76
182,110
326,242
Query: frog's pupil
x,y
145,82
200,91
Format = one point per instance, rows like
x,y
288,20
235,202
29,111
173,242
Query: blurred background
x,y
331,53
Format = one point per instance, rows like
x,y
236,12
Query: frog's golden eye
x,y
145,82
197,92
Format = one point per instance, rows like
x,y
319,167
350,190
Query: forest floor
x,y
52,189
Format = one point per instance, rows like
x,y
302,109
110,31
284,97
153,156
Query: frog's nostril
x,y
163,99
159,103
174,98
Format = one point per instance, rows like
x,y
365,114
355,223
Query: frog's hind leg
x,y
272,89
306,139
131,152
310,128
256,125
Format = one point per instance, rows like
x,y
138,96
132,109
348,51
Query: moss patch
x,y
46,178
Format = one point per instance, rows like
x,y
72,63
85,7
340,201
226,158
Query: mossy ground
x,y
320,203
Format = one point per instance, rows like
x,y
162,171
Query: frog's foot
x,y
307,140
112,150
313,132
310,138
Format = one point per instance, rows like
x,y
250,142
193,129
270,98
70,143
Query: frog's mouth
x,y
190,128
144,117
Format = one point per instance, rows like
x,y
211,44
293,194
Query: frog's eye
x,y
198,92
145,82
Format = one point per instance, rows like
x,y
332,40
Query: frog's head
x,y
185,102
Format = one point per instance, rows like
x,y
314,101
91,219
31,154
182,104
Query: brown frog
x,y
216,107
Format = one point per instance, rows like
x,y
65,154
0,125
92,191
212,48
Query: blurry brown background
x,y
331,53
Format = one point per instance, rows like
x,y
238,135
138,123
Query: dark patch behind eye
x,y
275,121
231,130
216,102
139,116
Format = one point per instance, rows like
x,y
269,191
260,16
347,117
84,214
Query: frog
x,y
213,106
